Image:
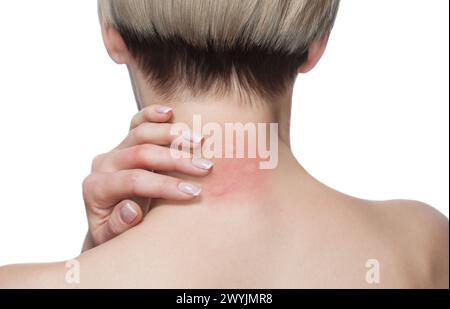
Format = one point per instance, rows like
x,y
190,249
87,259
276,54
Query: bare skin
x,y
252,228
276,228
294,232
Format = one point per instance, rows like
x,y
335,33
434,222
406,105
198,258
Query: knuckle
x,y
140,154
87,186
135,133
87,182
169,162
133,180
134,121
157,188
166,129
97,162
137,118
93,192
162,184
162,157
139,133
145,150
155,151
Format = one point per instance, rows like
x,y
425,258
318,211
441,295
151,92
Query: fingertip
x,y
202,164
189,189
200,172
164,110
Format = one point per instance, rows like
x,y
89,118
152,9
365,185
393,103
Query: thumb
x,y
124,216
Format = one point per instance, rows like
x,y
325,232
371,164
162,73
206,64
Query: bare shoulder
x,y
422,232
32,276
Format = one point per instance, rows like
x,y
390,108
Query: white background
x,y
371,120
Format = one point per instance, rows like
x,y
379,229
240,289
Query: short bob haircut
x,y
254,46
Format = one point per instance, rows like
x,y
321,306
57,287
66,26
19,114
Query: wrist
x,y
88,242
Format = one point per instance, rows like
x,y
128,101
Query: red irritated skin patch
x,y
236,178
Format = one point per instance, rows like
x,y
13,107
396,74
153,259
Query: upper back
x,y
324,240
344,243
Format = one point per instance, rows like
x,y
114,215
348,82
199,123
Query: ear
x,y
114,44
315,52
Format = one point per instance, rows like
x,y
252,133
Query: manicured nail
x,y
189,188
202,163
163,109
128,214
192,137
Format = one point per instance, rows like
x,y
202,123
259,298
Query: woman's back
x,y
298,234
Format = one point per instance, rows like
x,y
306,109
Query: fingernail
x,y
192,137
202,163
128,214
163,109
189,188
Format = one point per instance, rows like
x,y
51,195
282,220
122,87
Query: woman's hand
x,y
117,192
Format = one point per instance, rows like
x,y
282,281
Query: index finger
x,y
152,113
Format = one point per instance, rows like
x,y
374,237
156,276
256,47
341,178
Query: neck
x,y
235,176
233,107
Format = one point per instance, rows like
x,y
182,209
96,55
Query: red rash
x,y
236,177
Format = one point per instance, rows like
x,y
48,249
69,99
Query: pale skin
x,y
249,228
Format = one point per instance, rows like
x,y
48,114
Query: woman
x,y
256,219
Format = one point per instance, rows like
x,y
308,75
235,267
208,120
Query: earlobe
x,y
315,52
114,44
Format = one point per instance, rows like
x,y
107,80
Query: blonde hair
x,y
204,43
